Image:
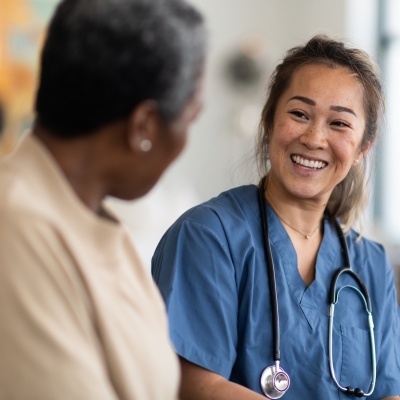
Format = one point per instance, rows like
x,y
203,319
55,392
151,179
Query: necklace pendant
x,y
308,236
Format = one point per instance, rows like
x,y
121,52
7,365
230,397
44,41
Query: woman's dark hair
x,y
349,197
102,58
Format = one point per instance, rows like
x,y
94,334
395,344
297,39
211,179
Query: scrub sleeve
x,y
388,380
196,255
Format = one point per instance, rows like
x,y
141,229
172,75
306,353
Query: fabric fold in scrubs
x,y
210,268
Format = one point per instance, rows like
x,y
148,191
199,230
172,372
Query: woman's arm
x,y
201,384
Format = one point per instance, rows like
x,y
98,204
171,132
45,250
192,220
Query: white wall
x,y
389,190
361,24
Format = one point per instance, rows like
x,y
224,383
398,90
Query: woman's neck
x,y
302,215
302,220
75,159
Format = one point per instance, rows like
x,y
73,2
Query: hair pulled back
x,y
101,58
350,196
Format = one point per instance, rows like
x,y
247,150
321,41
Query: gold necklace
x,y
301,233
290,226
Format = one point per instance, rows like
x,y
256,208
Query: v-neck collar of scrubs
x,y
308,297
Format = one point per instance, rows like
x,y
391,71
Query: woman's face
x,y
168,141
318,127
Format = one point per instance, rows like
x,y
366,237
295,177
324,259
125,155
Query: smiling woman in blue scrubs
x,y
318,125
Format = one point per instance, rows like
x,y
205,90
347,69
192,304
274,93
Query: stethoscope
x,y
274,380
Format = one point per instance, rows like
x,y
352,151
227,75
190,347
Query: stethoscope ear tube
x,y
333,299
357,392
364,291
346,269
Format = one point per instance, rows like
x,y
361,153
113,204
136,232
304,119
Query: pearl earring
x,y
145,145
356,160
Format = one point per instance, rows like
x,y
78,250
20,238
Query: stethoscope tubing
x,y
271,274
346,269
333,297
372,345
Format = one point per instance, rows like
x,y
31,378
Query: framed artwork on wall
x,y
22,29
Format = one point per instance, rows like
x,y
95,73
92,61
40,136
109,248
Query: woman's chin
x,y
309,193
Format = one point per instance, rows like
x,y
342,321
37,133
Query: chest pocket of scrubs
x,y
356,363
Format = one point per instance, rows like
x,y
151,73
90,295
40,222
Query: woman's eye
x,y
298,114
340,124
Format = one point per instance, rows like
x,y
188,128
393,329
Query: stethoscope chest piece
x,y
274,382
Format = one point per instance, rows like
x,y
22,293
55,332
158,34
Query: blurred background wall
x,y
247,39
22,25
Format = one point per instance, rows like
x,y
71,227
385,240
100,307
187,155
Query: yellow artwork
x,y
22,28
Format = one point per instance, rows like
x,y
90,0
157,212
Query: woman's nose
x,y
314,137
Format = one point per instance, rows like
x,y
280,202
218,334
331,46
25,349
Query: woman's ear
x,y
143,127
363,153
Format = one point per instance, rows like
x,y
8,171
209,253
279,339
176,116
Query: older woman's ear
x,y
143,127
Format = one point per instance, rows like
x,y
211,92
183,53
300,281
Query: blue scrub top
x,y
211,270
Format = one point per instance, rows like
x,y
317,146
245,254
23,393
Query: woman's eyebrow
x,y
304,100
343,109
313,103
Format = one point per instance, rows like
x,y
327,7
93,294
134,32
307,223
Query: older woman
x,y
80,318
244,328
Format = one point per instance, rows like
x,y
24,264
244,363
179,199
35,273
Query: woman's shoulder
x,y
367,252
230,206
223,225
362,242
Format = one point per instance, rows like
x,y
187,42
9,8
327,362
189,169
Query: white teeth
x,y
308,163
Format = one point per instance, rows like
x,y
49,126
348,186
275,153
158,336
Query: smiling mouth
x,y
308,163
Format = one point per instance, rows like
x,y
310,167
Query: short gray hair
x,y
102,58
